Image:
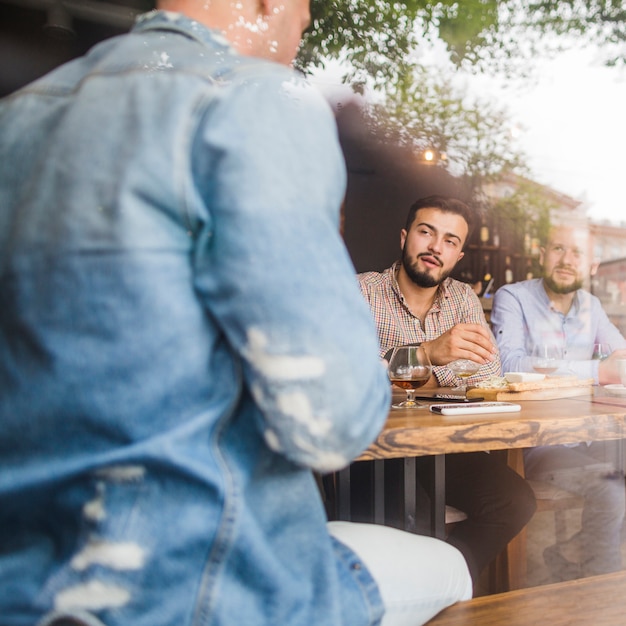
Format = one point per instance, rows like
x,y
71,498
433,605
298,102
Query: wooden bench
x,y
593,601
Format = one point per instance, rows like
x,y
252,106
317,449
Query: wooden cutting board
x,y
547,389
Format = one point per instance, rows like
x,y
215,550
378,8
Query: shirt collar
x,y
574,310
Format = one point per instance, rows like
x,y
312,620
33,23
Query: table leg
x,y
438,495
379,492
406,488
410,495
515,554
343,494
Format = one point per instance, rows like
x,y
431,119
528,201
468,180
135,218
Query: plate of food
x,y
615,390
523,377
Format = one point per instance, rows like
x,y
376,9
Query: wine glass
x,y
463,368
546,358
601,351
410,368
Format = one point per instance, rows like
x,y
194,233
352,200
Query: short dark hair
x,y
446,204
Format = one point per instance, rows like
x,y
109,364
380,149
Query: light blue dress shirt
x,y
522,316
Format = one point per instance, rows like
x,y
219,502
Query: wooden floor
x,y
594,601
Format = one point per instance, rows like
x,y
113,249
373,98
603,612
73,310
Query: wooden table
x,y
410,433
592,601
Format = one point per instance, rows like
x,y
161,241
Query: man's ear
x,y
403,235
266,7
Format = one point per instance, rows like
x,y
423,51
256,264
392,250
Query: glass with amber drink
x,y
409,368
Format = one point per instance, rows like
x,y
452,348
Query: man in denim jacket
x,y
182,340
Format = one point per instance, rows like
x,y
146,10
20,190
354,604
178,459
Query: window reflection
x,y
532,133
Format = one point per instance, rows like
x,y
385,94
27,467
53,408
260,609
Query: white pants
x,y
417,576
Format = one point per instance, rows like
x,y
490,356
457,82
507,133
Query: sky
x,y
571,120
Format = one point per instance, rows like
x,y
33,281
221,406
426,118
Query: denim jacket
x,y
182,341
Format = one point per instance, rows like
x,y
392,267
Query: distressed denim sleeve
x,y
274,273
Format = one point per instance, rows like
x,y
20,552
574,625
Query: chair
x,y
551,498
512,565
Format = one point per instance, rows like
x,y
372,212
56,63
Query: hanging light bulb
x,y
484,234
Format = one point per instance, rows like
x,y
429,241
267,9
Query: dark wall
x,y
383,182
31,44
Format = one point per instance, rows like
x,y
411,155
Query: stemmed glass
x,y
463,368
601,351
410,368
546,358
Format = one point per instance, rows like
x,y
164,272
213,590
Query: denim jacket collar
x,y
177,22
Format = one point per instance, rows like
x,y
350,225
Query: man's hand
x,y
463,341
608,370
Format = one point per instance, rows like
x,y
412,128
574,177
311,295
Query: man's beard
x,y
421,279
562,289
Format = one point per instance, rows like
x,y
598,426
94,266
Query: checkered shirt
x,y
455,303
